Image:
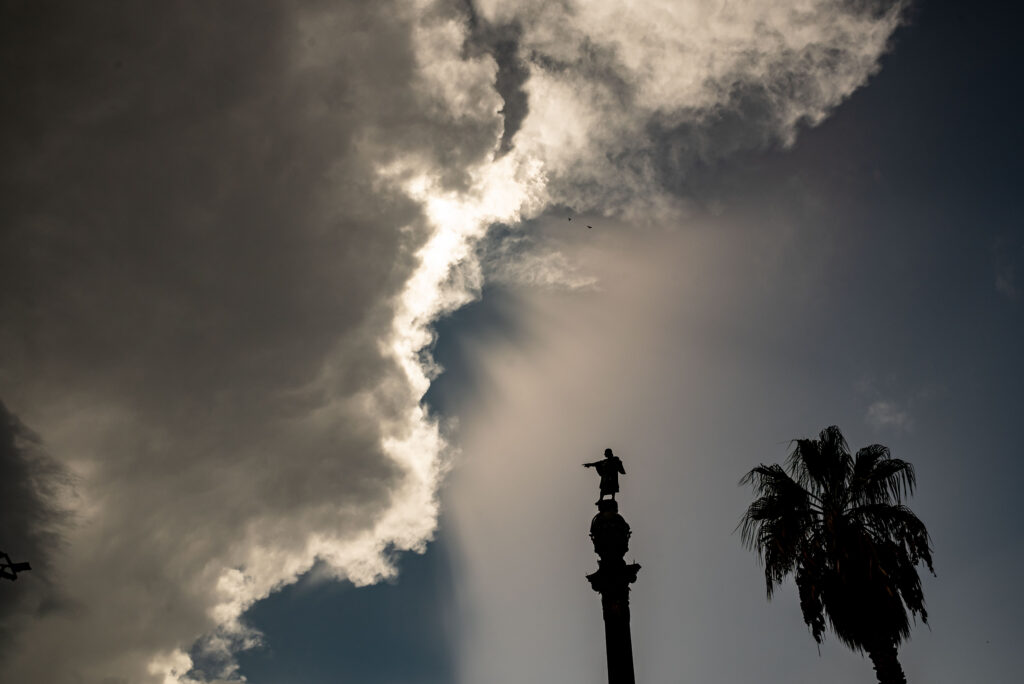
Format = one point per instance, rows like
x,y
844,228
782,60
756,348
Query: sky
x,y
301,353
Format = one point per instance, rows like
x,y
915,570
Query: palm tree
x,y
838,523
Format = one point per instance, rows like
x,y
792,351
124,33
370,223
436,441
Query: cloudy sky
x,y
300,352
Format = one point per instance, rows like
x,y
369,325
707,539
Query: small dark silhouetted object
x,y
570,218
9,570
589,227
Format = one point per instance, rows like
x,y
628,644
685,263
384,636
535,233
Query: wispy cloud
x,y
517,260
886,413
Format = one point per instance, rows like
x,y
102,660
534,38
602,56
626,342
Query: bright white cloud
x,y
617,90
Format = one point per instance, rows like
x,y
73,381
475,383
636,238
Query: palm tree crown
x,y
838,523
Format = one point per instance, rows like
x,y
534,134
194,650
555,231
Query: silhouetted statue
x,y
9,570
609,470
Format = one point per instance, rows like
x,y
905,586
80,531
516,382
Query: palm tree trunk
x,y
887,665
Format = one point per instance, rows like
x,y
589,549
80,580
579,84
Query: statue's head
x,y
608,453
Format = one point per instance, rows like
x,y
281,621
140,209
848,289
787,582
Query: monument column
x,y
610,533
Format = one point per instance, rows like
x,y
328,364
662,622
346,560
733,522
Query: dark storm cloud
x,y
32,521
501,41
175,186
198,263
190,224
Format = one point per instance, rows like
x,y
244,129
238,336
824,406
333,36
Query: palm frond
x,y
898,524
776,523
810,586
779,497
821,465
864,462
909,584
879,478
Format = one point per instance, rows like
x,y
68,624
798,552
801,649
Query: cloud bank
x,y
229,229
32,521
